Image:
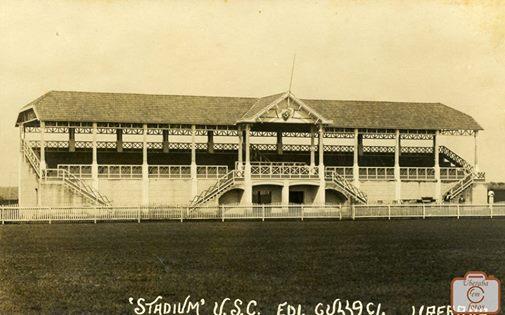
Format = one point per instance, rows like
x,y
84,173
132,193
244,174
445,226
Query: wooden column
x,y
475,151
94,159
71,139
312,148
43,164
166,142
194,175
145,168
436,154
210,141
279,142
247,196
398,182
321,192
119,140
240,149
355,164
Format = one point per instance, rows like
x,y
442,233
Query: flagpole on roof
x,y
292,71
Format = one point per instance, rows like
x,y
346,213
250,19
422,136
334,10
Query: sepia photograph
x,y
252,157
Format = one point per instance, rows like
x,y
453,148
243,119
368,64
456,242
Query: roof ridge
x,y
147,94
366,101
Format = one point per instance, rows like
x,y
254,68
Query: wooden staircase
x,y
467,181
64,177
346,186
222,185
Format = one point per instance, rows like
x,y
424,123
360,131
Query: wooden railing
x,y
221,185
155,171
283,170
345,171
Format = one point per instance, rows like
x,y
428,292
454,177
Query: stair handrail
x,y
453,155
226,180
78,183
459,186
31,157
350,188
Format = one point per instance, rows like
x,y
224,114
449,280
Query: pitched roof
x,y
217,110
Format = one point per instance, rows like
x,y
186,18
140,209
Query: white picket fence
x,y
240,212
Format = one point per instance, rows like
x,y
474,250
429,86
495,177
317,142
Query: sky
x,y
451,52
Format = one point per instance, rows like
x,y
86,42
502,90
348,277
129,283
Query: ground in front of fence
x,y
97,267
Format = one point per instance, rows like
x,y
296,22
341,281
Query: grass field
x,y
97,267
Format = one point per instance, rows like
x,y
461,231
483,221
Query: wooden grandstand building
x,y
132,149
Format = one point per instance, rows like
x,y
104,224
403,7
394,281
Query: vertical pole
x,y
240,148
322,182
302,211
119,140
279,142
438,181
71,139
424,212
145,168
353,211
165,141
355,165
194,179
398,183
247,196
389,212
263,213
42,146
210,141
475,151
94,162
312,148
222,213
457,210
21,161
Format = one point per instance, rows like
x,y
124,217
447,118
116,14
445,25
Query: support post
x,y
21,161
43,164
247,196
279,142
438,181
165,141
145,168
119,140
285,194
322,182
194,175
240,149
355,165
312,148
398,182
210,141
94,162
475,151
71,139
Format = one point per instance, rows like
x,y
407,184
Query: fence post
x,y
222,213
50,211
182,218
491,210
424,211
353,210
302,210
138,215
458,211
389,212
340,212
263,213
2,215
95,210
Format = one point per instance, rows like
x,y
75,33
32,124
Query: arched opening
x,y
231,197
335,197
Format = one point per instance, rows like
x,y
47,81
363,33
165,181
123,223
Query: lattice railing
x,y
274,170
456,159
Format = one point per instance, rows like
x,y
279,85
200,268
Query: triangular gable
x,y
285,108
